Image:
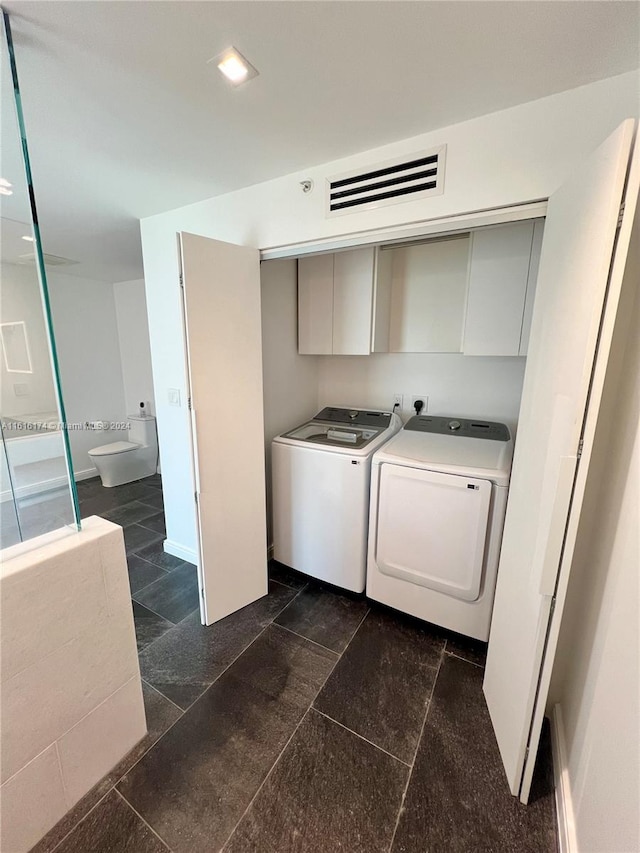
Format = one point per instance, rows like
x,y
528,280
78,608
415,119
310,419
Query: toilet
x,y
125,461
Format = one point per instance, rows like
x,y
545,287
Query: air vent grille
x,y
403,179
49,260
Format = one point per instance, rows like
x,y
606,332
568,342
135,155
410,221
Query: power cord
x,y
418,406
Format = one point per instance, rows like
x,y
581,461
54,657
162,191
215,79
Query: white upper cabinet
x,y
337,299
315,305
468,293
352,302
428,295
502,274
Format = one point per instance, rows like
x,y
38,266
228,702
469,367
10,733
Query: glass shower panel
x,y
37,491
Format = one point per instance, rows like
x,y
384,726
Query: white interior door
x,y
583,254
221,286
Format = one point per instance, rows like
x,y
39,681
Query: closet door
x,y
583,255
221,298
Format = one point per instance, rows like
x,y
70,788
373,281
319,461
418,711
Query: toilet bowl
x,y
126,461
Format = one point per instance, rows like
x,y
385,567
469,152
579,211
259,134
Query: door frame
x,y
193,443
464,221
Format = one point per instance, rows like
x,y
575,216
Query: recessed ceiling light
x,y
232,64
28,238
5,187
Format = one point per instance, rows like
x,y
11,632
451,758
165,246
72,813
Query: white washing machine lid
x,y
334,431
475,457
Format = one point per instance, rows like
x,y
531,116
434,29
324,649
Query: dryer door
x,y
432,529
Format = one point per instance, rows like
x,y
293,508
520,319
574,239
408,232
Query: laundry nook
x,y
320,366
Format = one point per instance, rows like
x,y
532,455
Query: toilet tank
x,y
142,430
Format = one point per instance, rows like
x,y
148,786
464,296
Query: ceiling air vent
x,y
49,260
402,179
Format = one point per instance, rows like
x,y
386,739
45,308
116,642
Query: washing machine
x,y
321,474
438,501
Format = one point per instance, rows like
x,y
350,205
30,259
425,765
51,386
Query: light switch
x,y
21,389
174,396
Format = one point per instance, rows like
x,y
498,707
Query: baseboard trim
x,y
567,842
86,474
37,489
180,551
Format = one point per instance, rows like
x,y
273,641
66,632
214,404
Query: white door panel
x,y
432,529
224,354
574,293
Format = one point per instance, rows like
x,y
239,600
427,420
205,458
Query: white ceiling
x,y
126,119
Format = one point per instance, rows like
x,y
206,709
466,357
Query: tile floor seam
x,y
173,625
200,695
362,737
79,821
142,524
159,615
352,637
151,563
151,746
275,763
415,754
151,506
158,580
288,585
114,787
302,636
466,660
155,690
142,588
146,823
220,674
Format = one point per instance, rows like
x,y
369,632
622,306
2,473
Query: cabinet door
x,y
315,305
352,302
428,293
536,248
498,275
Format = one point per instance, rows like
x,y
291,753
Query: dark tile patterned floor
x,y
308,722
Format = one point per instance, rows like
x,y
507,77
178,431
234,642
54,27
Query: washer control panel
x,y
459,426
354,416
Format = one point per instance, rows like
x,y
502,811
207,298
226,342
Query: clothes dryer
x,y
438,501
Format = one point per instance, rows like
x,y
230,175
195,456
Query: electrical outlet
x,y
397,401
424,399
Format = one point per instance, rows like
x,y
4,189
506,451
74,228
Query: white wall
x,y
20,301
290,381
135,352
455,384
505,158
596,678
86,333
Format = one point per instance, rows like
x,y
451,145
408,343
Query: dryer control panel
x,y
459,426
